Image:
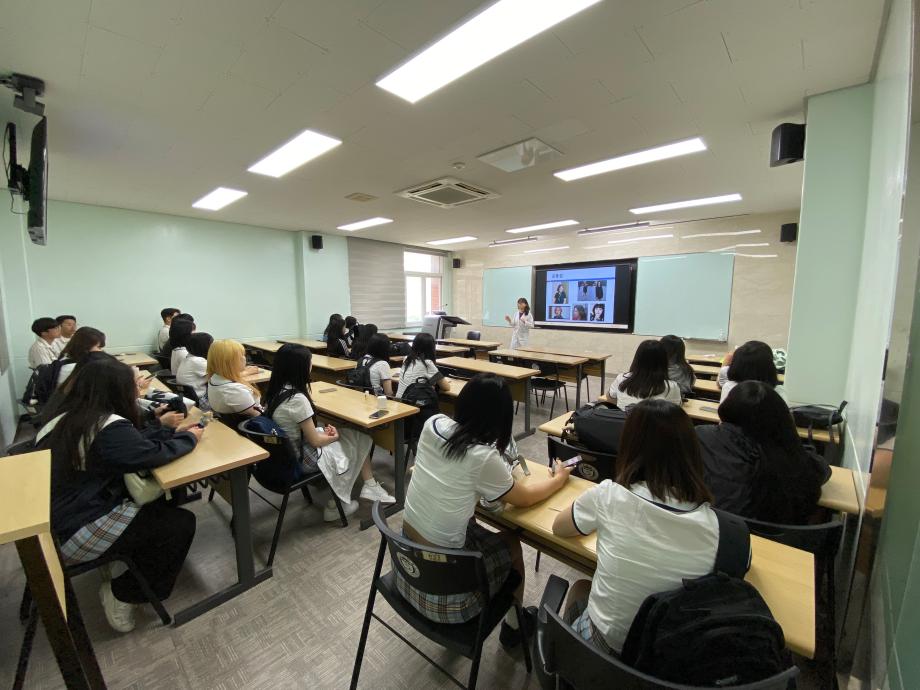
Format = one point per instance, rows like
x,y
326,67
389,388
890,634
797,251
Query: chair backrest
x,y
548,369
164,374
280,468
181,389
162,360
563,654
454,373
473,335
594,466
821,540
432,569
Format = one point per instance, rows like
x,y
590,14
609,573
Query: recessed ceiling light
x,y
644,225
498,28
369,223
543,226
516,240
720,234
220,197
641,239
452,240
755,256
736,246
303,148
725,198
659,153
548,249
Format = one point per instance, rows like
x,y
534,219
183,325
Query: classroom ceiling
x,y
153,104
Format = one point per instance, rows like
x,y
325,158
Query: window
x,y
423,285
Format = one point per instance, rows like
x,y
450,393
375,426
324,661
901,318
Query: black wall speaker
x,y
458,263
316,241
788,232
788,144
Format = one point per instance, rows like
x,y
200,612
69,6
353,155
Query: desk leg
x,y
603,377
579,373
528,430
246,574
399,471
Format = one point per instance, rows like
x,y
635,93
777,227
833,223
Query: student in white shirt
x,y
340,454
520,324
84,341
162,338
654,524
378,359
193,370
458,462
753,361
42,351
68,324
647,378
228,391
420,365
177,347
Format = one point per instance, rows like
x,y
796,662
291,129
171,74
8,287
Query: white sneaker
x,y
375,492
119,614
331,513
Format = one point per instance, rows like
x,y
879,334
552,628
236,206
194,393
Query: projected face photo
x,y
557,313
597,313
579,313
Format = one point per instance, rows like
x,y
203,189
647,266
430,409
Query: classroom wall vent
x,y
360,196
447,192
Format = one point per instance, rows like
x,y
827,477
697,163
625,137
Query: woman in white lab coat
x,y
520,324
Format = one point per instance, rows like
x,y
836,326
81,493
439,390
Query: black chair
x,y
473,335
164,374
823,541
439,571
564,659
549,380
181,389
453,373
282,455
162,360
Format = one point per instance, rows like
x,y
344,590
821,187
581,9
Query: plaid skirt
x,y
581,623
91,541
460,608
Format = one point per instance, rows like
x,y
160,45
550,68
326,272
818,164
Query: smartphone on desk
x,y
379,413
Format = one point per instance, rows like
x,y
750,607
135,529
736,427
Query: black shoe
x,y
511,637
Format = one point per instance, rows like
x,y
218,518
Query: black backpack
x,y
400,348
596,426
712,631
43,381
423,394
818,417
360,376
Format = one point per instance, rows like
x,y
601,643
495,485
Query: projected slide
x,y
580,295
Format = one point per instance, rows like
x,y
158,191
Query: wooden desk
x,y
484,345
517,378
563,363
270,346
136,359
784,576
595,366
705,369
314,345
330,369
404,337
25,494
708,411
711,359
261,376
707,388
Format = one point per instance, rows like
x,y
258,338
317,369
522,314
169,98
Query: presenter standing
x,y
521,324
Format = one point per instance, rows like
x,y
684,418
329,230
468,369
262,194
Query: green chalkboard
x,y
501,288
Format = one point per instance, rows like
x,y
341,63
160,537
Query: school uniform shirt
x,y
176,357
65,371
683,380
624,400
162,338
728,385
193,371
520,330
229,397
336,347
59,344
419,369
642,549
41,352
379,371
443,492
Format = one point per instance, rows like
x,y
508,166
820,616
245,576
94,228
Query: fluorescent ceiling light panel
x,y
452,240
220,197
641,225
495,30
369,223
547,249
303,148
720,234
516,240
736,246
659,153
708,201
641,239
543,226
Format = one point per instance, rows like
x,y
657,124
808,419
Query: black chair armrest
x,y
554,593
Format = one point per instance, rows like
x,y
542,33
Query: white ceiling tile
x,y
115,61
275,58
142,20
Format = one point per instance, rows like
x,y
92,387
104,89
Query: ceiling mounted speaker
x,y
788,232
788,145
316,241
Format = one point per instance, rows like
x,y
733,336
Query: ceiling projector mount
x,y
27,89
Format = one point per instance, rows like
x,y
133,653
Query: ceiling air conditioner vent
x,y
447,192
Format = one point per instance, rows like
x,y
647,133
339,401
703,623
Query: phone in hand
x,y
206,419
571,462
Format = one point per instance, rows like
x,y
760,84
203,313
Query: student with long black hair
x,y
654,524
339,453
95,439
755,463
753,361
679,370
647,378
419,364
351,330
335,337
177,347
193,370
84,340
458,462
363,334
378,360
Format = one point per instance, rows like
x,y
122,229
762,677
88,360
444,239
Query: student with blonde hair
x,y
228,391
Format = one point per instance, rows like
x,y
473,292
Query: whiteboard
x,y
689,295
501,289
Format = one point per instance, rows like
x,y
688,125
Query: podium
x,y
439,325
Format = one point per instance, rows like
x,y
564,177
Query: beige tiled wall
x,y
761,289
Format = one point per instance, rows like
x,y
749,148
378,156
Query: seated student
x,y
177,348
654,524
419,364
84,340
753,361
378,360
458,462
42,351
95,439
331,317
363,333
162,338
335,337
228,391
647,378
340,454
193,370
68,326
679,370
351,328
755,463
